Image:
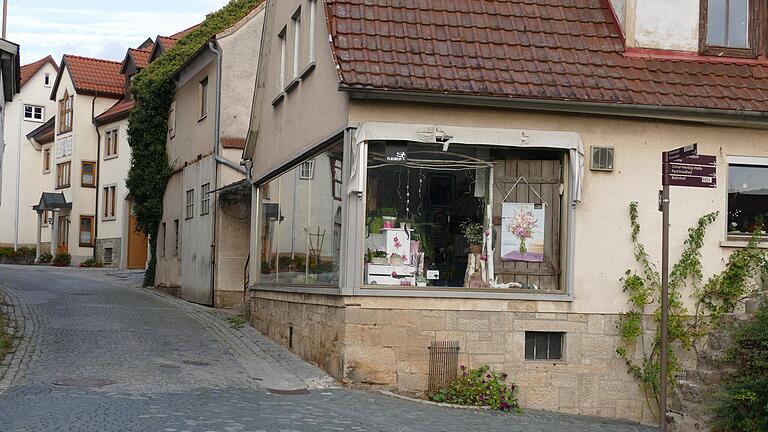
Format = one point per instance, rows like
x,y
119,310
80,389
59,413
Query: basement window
x,y
544,345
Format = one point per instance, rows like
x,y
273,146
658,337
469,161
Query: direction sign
x,y
691,170
679,153
706,160
691,181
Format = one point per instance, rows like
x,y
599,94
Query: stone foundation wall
x,y
383,342
227,299
114,244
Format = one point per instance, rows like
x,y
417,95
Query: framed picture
x,y
522,232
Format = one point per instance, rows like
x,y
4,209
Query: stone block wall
x,y
114,244
383,342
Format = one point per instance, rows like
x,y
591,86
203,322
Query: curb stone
x,y
24,322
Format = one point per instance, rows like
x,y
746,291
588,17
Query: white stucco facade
x,y
659,24
22,164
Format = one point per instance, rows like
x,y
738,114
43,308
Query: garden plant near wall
x,y
152,90
742,278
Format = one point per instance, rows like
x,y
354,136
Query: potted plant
x,y
473,232
379,257
389,217
375,224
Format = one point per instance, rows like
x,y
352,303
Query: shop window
x,y
747,196
461,216
300,226
88,174
544,345
86,231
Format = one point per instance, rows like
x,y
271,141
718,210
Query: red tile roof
x,y
117,111
92,75
29,70
166,42
528,49
141,56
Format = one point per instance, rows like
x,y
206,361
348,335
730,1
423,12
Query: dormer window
x,y
730,28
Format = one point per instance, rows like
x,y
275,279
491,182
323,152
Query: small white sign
x,y
433,274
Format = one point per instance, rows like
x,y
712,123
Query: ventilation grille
x,y
602,159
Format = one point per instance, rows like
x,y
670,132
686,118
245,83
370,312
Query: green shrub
x,y
45,258
62,260
92,262
742,405
7,252
480,387
26,251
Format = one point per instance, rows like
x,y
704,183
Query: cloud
x,y
88,29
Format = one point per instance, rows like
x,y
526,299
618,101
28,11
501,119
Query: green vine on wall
x,y
742,277
152,90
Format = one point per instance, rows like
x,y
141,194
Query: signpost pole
x,y
663,350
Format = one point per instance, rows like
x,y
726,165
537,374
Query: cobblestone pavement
x,y
97,353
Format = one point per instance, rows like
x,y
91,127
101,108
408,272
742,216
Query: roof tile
x,y
95,75
29,70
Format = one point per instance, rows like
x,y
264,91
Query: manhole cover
x,y
288,392
83,382
195,363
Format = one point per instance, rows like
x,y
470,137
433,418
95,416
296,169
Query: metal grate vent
x,y
443,364
602,159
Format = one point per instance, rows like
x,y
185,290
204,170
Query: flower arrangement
x,y
473,232
480,387
522,225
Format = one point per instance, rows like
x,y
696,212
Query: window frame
x,y
205,199
82,174
46,160
109,210
111,146
176,238
756,28
60,184
189,204
297,39
549,335
66,106
311,164
91,232
203,98
162,240
172,120
732,160
47,80
34,109
282,36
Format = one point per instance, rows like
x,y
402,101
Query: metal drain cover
x,y
195,363
302,391
83,382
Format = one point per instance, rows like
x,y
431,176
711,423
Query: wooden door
x,y
63,240
544,177
137,243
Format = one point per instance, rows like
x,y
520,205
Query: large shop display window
x,y
747,196
300,223
460,216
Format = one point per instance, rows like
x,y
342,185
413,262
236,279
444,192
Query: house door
x,y
63,240
137,243
197,234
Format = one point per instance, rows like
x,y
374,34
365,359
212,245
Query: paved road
x,y
97,353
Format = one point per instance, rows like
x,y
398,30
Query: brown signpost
x,y
679,167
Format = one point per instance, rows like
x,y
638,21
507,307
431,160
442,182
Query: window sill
x,y
444,292
114,156
34,120
88,186
546,362
307,70
292,85
47,172
109,219
738,244
63,187
276,101
86,245
202,118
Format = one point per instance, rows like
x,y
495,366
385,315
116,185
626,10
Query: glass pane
x,y
542,342
88,179
747,198
555,346
738,24
269,221
716,22
530,340
324,227
292,230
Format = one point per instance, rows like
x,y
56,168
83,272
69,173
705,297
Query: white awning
x,y
441,134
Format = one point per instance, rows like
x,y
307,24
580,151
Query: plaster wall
x,y
36,93
168,257
114,171
194,134
663,24
309,113
603,251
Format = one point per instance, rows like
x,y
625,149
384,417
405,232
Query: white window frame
x,y
36,113
311,38
296,23
47,80
307,170
189,211
203,98
172,120
111,138
283,47
205,199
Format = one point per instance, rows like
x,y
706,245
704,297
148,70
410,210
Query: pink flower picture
x,y
522,232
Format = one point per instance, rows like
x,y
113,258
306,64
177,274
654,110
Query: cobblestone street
x,y
97,353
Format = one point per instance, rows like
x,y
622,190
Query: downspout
x,y
18,174
98,173
217,159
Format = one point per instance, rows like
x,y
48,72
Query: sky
x,y
97,28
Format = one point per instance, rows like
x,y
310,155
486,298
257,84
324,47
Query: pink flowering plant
x,y
480,387
522,226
